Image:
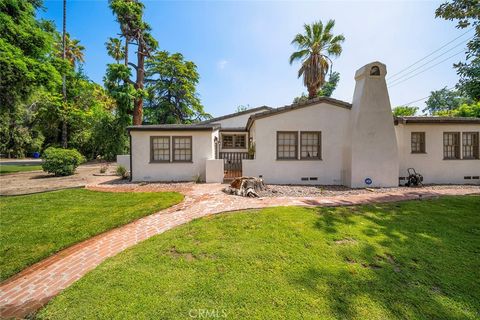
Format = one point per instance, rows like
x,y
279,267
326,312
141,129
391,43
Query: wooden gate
x,y
232,163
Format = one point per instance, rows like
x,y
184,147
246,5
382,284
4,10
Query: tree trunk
x,y
64,134
245,187
64,80
138,106
312,92
126,50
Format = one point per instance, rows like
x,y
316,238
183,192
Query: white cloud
x,y
222,64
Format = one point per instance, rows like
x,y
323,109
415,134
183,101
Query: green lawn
x,y
408,260
33,227
12,168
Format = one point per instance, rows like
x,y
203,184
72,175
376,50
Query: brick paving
x,y
27,291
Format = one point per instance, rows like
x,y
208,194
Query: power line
x,y
409,103
430,54
416,74
426,63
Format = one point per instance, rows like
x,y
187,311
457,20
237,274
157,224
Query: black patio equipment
x,y
414,179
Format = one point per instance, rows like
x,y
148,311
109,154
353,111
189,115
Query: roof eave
x,y
192,128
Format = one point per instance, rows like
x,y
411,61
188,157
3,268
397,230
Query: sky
x,y
242,48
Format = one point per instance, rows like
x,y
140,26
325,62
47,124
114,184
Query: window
x,y
182,149
159,149
470,145
287,145
451,145
239,141
418,142
310,145
234,141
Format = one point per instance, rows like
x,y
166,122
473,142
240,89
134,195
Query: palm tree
x,y
73,50
314,48
115,49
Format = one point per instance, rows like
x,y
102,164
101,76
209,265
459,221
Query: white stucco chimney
x,y
373,155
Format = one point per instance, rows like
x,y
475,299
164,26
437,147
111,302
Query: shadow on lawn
x,y
411,260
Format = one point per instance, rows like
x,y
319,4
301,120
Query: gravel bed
x,y
318,191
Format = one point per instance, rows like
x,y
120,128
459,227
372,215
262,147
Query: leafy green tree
x,y
129,14
172,85
325,91
467,14
444,100
464,110
242,108
26,65
115,49
315,46
404,111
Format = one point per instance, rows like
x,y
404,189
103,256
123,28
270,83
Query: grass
x,y
33,227
408,260
12,168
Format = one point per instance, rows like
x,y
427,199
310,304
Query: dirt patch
x,y
346,241
373,266
188,256
350,260
39,181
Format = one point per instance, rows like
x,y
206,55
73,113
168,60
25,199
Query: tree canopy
x,y
315,46
467,15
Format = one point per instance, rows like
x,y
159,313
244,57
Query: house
x,y
322,141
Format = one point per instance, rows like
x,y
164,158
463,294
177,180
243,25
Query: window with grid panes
x,y
310,145
182,149
240,141
470,145
287,145
418,142
451,145
160,149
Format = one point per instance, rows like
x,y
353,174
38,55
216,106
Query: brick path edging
x,y
30,289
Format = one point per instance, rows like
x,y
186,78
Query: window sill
x,y
304,159
180,161
449,159
160,161
418,153
470,159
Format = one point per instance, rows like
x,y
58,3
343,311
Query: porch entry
x,y
232,163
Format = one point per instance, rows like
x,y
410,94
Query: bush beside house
x,y
61,162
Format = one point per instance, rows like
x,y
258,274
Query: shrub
x,y
61,162
122,172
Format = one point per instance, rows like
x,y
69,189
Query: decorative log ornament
x,y
245,187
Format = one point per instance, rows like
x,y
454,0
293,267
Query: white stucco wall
x,y
124,160
373,155
237,121
143,170
214,170
431,164
331,120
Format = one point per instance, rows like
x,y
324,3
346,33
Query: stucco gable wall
x,y
431,164
331,120
237,121
143,170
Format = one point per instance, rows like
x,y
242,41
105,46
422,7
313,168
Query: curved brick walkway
x,y
27,291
